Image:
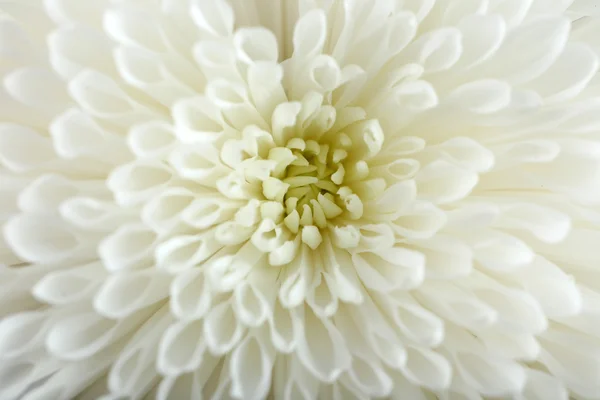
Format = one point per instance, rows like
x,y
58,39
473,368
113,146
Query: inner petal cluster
x,y
306,175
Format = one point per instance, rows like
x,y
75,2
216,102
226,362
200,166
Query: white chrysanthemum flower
x,y
300,199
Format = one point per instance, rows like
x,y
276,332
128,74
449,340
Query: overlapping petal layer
x,y
299,199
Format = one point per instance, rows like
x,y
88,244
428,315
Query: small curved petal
x,y
70,286
181,348
369,378
481,97
222,329
129,247
427,368
437,50
190,294
22,333
214,17
442,182
310,34
83,334
251,363
184,252
41,238
254,45
138,181
491,376
28,149
321,349
126,293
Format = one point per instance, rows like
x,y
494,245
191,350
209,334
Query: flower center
x,y
306,175
307,178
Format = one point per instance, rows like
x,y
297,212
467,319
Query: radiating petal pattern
x,y
299,199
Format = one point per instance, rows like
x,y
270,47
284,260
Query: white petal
x,y
482,35
264,83
190,294
344,280
484,96
417,323
546,224
397,198
556,291
370,378
214,17
437,50
387,346
181,348
92,214
126,293
420,8
133,26
163,212
427,368
226,272
422,221
417,96
376,237
455,12
529,49
222,330
282,326
134,369
22,333
250,305
208,211
127,248
457,305
191,163
46,193
569,75
153,139
251,366
81,335
321,298
255,45
197,121
520,346
443,182
310,34
387,270
138,181
70,286
491,376
573,358
16,377
294,288
531,151
26,84
517,311
542,386
185,386
154,75
513,11
180,253
445,256
501,252
73,47
404,389
23,149
76,134
322,349
324,73
41,238
103,97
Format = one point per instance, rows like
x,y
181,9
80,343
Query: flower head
x,y
299,199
